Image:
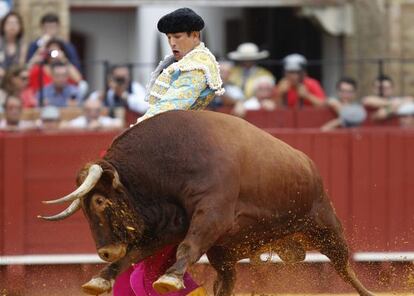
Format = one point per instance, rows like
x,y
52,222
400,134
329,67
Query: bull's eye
x,y
99,202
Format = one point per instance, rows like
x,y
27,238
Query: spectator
x,y
405,113
13,109
12,47
232,94
60,93
262,99
346,106
15,83
383,100
244,74
123,92
50,26
54,52
92,118
296,88
49,118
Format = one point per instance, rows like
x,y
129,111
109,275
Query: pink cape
x,y
138,279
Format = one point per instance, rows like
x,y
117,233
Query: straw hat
x,y
248,52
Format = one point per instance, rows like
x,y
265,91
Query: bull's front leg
x,y
104,281
206,226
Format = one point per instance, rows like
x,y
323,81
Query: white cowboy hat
x,y
248,52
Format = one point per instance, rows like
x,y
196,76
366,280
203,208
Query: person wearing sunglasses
x,y
15,83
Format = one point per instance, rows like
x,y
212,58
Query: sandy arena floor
x,y
349,294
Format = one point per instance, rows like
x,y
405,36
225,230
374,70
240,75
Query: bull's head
x,y
107,206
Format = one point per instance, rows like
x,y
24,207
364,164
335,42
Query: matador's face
x,y
182,43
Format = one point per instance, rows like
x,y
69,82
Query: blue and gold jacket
x,y
189,84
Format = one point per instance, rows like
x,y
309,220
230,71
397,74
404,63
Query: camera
x,y
54,54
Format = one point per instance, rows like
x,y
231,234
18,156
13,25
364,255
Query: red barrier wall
x,y
40,167
368,175
1,194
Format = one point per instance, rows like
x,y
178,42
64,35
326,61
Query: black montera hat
x,y
180,20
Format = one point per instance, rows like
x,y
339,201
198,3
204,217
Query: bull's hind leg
x,y
335,248
327,235
224,265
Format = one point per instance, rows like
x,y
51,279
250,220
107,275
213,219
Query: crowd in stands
x,y
42,87
250,87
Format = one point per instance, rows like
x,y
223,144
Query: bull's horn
x,y
70,210
94,173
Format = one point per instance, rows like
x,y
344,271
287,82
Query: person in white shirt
x,y
92,118
261,100
13,109
123,92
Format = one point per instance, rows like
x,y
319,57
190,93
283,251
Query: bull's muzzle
x,y
112,253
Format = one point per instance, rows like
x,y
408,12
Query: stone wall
x,y
383,29
33,10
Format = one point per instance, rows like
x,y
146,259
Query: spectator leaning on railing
x,y
405,112
12,46
49,119
50,26
296,88
92,118
346,106
383,99
261,99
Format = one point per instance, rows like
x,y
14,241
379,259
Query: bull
x,y
209,183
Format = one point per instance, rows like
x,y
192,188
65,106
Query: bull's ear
x,y
83,173
116,182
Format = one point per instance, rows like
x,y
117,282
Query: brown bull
x,y
210,183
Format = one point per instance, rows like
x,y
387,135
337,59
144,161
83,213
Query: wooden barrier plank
x,y
2,198
361,202
340,182
406,233
14,215
401,218
378,190
313,117
272,119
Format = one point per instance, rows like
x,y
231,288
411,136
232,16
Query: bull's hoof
x,y
168,283
200,291
97,286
